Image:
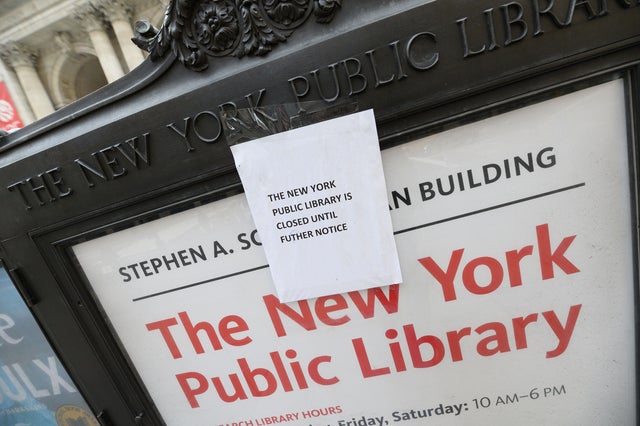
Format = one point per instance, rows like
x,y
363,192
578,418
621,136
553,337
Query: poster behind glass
x,y
35,389
514,235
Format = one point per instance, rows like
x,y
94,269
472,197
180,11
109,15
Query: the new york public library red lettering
x,y
410,346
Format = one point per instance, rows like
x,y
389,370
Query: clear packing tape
x,y
247,124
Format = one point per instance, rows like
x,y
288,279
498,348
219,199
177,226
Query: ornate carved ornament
x,y
18,55
197,29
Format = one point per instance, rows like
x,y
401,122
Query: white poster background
x,y
589,381
344,244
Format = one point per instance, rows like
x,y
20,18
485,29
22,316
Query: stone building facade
x,y
56,51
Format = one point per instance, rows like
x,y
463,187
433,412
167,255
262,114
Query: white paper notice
x,y
318,198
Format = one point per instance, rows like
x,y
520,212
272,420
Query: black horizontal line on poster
x,y
402,231
486,209
148,296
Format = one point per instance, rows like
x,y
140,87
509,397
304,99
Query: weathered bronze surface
x,y
154,141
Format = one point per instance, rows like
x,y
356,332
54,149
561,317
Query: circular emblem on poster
x,y
72,415
6,111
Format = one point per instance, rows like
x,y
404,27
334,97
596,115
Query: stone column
x,y
23,60
91,20
118,12
17,94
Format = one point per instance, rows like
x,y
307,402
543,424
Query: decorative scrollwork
x,y
196,29
287,12
258,36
